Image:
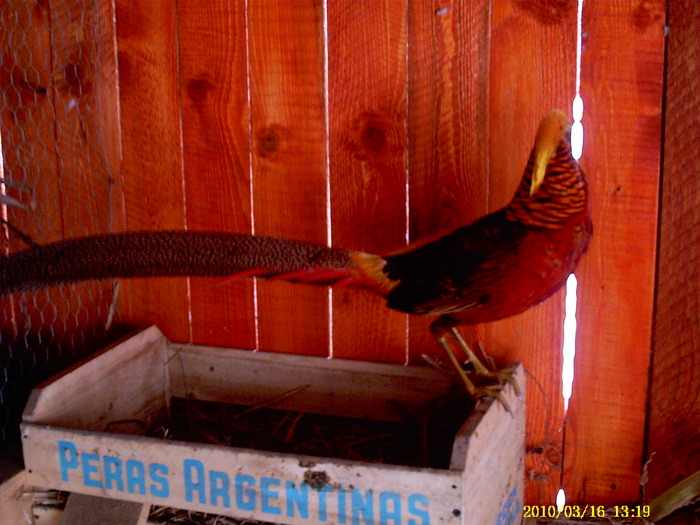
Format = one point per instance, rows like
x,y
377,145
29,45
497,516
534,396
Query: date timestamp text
x,y
586,511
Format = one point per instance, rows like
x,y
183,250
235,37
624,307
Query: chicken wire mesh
x,y
57,181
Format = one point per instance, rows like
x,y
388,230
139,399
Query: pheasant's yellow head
x,y
554,128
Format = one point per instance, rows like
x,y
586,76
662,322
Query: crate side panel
x,y
226,375
491,449
235,482
127,382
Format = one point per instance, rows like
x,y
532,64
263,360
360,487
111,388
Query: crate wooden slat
x,y
66,445
90,510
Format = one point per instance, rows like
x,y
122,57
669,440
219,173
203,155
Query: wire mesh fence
x,y
57,133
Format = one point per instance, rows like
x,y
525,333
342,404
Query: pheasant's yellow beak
x,y
552,131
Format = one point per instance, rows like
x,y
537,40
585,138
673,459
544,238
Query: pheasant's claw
x,y
494,391
507,375
502,376
473,390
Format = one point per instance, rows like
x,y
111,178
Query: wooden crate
x,y
66,445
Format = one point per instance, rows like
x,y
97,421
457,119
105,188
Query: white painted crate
x,y
67,447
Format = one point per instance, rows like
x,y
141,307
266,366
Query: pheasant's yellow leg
x,y
504,375
474,391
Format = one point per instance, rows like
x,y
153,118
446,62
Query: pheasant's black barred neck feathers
x,y
561,195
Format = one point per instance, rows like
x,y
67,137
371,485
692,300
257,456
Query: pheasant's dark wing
x,y
438,277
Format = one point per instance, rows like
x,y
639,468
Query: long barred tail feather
x,y
183,253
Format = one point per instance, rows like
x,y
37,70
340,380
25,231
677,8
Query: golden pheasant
x,y
493,268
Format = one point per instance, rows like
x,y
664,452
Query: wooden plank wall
x,y
674,415
379,122
422,121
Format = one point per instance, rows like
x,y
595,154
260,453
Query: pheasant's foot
x,y
473,390
502,376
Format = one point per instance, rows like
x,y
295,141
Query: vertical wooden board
x,y
215,120
106,119
83,171
288,135
674,408
83,178
107,124
28,137
152,168
447,127
30,153
88,152
532,70
621,84
367,112
28,145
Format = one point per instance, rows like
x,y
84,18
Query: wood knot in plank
x,y
375,137
548,12
268,141
197,89
649,13
543,462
